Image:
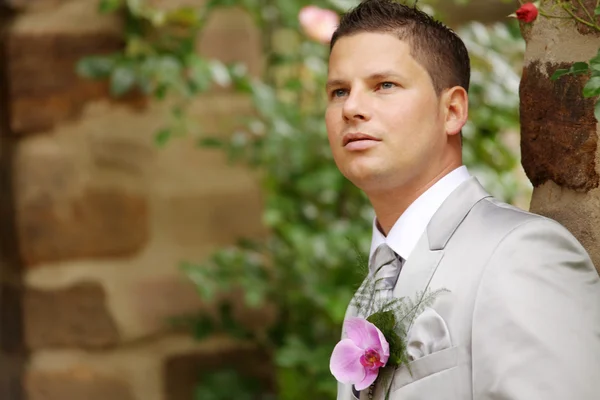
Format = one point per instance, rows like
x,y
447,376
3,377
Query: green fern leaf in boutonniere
x,y
376,341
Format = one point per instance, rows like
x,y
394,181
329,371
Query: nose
x,y
356,108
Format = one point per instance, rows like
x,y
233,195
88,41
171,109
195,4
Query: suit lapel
x,y
422,263
418,270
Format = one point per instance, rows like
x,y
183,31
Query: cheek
x,y
332,124
331,113
410,121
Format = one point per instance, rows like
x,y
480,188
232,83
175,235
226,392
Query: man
x,y
521,316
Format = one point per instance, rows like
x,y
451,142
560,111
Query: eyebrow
x,y
374,76
334,83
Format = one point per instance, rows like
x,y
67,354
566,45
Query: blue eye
x,y
339,92
387,85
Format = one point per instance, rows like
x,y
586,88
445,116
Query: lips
x,y
353,137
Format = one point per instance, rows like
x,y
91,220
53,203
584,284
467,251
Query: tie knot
x,y
382,255
385,267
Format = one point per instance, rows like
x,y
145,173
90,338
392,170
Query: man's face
x,y
384,120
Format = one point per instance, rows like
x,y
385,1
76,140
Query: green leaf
x,y
294,84
95,67
227,383
595,63
597,11
558,73
122,80
254,297
161,92
185,16
592,87
108,6
203,327
200,73
384,320
163,136
579,67
211,142
221,3
230,325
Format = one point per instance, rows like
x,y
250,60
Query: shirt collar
x,y
407,230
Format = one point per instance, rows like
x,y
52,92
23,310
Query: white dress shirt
x,y
407,230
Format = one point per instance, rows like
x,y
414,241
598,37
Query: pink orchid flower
x,y
356,360
318,23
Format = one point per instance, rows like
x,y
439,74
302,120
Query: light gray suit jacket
x,y
522,314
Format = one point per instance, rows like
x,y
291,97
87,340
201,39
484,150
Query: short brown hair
x,y
436,47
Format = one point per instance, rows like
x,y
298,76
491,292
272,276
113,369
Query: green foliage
x,y
576,69
306,267
238,387
592,87
159,59
108,6
385,321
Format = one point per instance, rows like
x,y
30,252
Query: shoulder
x,y
525,240
516,234
512,221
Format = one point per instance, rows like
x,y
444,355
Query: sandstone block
x,y
157,300
72,317
58,94
60,216
44,86
75,384
558,129
98,223
217,218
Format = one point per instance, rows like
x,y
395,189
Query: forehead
x,y
368,52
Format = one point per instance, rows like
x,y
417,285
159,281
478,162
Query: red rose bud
x,y
527,13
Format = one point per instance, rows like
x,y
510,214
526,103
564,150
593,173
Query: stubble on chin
x,y
367,178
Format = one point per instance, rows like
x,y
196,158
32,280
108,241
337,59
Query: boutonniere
x,y
377,342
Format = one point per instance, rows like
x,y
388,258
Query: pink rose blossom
x,y
356,360
318,23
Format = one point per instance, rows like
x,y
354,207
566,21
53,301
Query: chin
x,y
376,179
364,178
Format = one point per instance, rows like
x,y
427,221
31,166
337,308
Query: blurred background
x,y
173,226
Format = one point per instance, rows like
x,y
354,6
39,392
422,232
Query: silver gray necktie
x,y
385,265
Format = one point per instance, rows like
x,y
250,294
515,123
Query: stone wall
x,y
96,218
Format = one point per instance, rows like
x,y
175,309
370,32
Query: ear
x,y
456,107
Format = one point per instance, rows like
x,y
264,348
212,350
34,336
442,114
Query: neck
x,y
390,204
